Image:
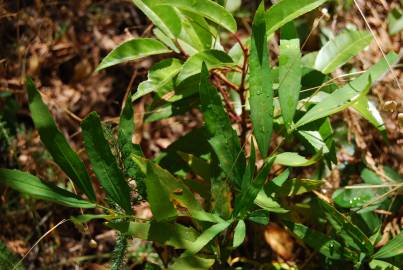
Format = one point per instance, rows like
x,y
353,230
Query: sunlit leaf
x,y
292,159
347,95
289,78
287,10
206,8
341,49
30,185
191,262
131,50
395,20
239,233
393,248
212,58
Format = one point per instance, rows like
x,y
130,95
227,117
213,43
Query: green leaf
x,y
260,85
287,10
206,237
192,262
343,97
268,203
160,78
289,78
103,162
163,190
381,265
368,111
292,159
351,234
199,166
85,218
127,148
370,177
56,143
30,185
293,187
212,58
239,233
164,17
250,191
356,197
320,242
395,20
340,49
164,233
259,217
206,8
223,137
196,35
393,248
131,50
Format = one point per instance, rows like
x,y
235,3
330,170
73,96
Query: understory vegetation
x,y
288,155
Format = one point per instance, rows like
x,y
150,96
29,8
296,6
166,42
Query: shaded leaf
x,y
356,197
351,234
260,85
286,11
56,143
223,137
321,242
268,203
30,185
293,187
103,162
289,78
164,233
206,8
131,50
259,216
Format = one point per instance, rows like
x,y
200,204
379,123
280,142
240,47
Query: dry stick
x,y
39,240
379,45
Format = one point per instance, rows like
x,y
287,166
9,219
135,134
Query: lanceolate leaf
x,y
340,49
127,148
343,97
164,233
320,242
165,18
260,85
393,248
56,143
132,50
192,262
351,234
30,185
103,162
223,138
160,77
206,8
164,191
289,78
395,20
239,233
206,237
369,112
287,10
212,58
295,160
